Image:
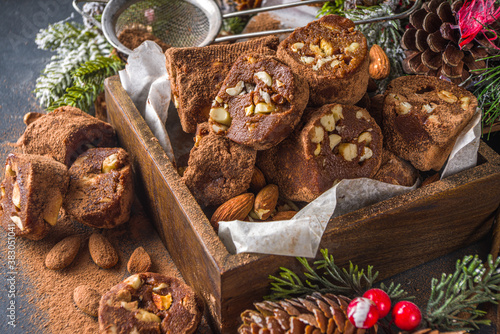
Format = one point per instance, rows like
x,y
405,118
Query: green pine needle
x,y
454,298
332,7
327,277
487,92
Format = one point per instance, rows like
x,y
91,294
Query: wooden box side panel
x,y
155,179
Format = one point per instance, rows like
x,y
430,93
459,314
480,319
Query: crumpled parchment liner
x,y
145,79
301,235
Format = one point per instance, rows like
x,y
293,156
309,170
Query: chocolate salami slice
x,y
218,168
32,194
101,188
422,118
66,133
260,102
332,56
196,75
335,142
149,303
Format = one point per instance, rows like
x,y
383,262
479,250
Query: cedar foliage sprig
x,y
349,282
454,298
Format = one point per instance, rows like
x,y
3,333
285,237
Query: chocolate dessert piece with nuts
x,y
335,142
260,102
332,56
149,303
423,117
101,188
32,194
218,168
396,171
196,75
66,133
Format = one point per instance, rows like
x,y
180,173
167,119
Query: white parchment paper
x,y
145,79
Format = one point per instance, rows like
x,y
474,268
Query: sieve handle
x,y
87,16
415,6
275,7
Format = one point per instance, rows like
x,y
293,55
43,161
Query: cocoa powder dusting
x,y
46,296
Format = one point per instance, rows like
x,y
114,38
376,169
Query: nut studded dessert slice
x,y
336,142
260,102
196,75
396,171
32,194
149,303
101,188
218,168
422,118
66,133
332,57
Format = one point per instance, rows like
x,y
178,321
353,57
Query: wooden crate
x,y
393,235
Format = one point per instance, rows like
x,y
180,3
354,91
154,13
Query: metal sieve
x,y
185,23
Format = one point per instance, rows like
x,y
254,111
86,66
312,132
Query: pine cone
x,y
432,44
313,314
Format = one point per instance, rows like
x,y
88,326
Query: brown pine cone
x,y
432,44
317,313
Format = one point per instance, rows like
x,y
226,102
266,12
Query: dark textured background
x,y
21,63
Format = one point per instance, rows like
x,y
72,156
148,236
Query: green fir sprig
x,y
332,7
327,277
88,82
454,298
75,46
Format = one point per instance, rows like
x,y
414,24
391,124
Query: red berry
x,y
381,299
406,315
362,312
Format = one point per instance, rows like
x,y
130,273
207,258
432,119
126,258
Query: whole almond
x,y
87,300
284,215
265,201
380,68
102,251
258,180
139,262
63,253
237,208
31,117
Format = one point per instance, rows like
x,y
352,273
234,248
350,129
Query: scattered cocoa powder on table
x,y
49,293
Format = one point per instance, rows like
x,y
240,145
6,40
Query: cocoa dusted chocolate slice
x,y
32,194
66,133
218,168
396,171
332,56
260,102
196,75
422,118
101,188
335,142
149,303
